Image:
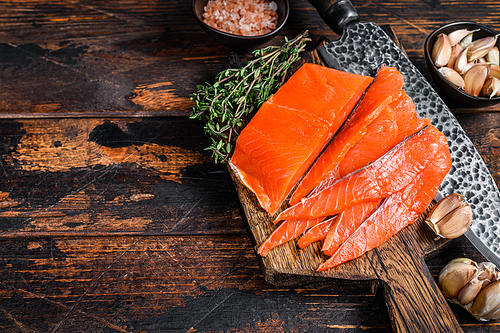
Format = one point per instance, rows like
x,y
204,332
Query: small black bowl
x,y
448,91
236,42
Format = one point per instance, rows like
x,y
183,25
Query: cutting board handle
x,y
413,300
336,13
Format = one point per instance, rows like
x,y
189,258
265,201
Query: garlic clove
x,y
444,206
485,274
456,36
455,275
491,87
474,79
486,306
480,48
441,51
495,71
493,57
455,52
461,62
450,217
452,76
467,39
456,223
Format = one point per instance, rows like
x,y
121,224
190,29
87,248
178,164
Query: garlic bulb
x,y
476,287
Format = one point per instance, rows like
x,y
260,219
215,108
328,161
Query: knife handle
x,y
336,13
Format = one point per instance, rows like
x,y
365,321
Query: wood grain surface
x,y
113,217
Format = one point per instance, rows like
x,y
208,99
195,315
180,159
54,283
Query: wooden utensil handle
x,y
336,13
413,299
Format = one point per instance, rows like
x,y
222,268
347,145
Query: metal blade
x,y
362,49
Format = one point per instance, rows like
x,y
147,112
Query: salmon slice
x,y
291,128
387,175
349,220
285,232
385,88
397,211
377,141
317,232
381,135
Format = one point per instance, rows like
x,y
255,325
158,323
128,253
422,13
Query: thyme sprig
x,y
228,104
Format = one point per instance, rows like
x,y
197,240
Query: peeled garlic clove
x,y
441,51
455,52
491,87
474,79
452,76
456,36
486,273
486,306
467,40
455,275
479,48
493,57
461,62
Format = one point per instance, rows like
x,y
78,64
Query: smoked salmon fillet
x,y
397,211
385,176
317,232
291,128
349,220
285,232
386,88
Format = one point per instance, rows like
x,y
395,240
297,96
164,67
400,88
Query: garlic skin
x,y
441,51
455,275
485,274
450,217
486,306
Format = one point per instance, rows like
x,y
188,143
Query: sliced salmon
x,y
385,88
397,211
349,220
387,175
377,141
317,232
291,128
285,232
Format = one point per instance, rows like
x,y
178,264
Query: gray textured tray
x,y
362,49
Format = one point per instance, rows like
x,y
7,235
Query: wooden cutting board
x,y
414,302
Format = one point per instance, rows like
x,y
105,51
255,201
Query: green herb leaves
x,y
228,104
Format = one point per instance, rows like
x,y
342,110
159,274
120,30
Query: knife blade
x,y
362,48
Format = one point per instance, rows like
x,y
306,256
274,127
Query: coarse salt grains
x,y
242,17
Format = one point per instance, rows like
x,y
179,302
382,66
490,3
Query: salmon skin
x,y
386,88
385,176
291,128
397,211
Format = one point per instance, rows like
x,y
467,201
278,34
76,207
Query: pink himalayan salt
x,y
242,17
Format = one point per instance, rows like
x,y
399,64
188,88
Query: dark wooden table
x,y
112,216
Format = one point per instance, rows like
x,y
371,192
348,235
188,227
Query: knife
x,y
362,48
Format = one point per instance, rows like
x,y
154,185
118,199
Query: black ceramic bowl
x,y
448,91
236,42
